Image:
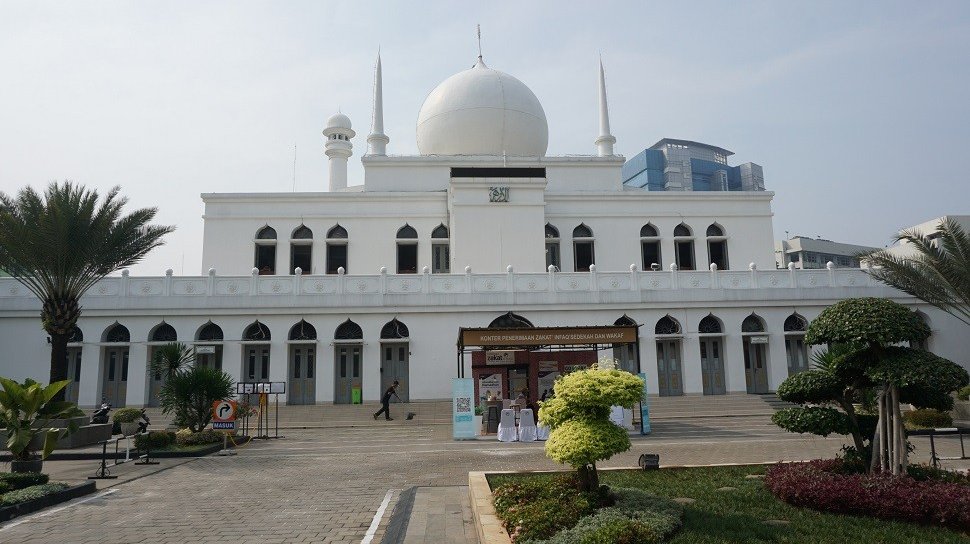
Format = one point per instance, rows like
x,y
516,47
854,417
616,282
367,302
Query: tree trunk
x,y
857,437
59,362
879,439
588,478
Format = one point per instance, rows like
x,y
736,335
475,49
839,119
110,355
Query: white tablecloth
x,y
506,427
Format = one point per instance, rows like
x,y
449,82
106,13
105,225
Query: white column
x,y
279,361
777,359
137,374
89,393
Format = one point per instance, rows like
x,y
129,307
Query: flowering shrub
x,y
532,508
820,486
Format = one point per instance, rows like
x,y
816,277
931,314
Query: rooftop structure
x,y
806,253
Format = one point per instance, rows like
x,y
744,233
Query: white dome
x,y
338,120
482,111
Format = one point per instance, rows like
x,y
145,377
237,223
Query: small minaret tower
x,y
604,143
339,149
377,140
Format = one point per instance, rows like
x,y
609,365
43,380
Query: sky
x,y
857,111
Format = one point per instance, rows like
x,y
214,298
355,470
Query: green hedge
x,y
19,480
31,493
928,418
157,440
964,393
186,437
636,517
126,415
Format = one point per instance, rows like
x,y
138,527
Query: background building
x,y
683,165
806,253
927,228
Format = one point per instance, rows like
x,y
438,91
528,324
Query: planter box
x,y
489,527
10,512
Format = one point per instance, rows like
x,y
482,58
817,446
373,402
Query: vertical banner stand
x,y
463,409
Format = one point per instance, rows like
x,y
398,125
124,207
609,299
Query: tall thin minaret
x,y
604,143
338,132
377,140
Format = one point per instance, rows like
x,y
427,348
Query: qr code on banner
x,y
463,404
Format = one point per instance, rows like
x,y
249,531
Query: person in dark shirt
x,y
386,401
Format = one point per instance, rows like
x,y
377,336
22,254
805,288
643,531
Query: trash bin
x,y
355,396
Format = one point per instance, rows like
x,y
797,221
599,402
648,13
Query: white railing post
x,y
297,281
254,282
831,268
123,292
510,279
211,282
714,284
791,275
551,272
753,268
168,282
593,284
383,280
425,280
468,279
634,279
673,276
340,280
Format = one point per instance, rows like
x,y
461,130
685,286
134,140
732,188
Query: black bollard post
x,y
103,473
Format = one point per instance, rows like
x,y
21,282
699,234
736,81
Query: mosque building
x,y
337,293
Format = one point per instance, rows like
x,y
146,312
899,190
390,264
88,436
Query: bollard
x,y
103,473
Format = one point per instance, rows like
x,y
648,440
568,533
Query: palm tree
x,y
939,273
171,358
61,243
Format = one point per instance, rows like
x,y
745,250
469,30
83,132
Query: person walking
x,y
386,401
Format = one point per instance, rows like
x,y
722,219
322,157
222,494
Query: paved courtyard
x,y
329,485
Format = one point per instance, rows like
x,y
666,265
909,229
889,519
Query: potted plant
x,y
27,409
478,419
127,419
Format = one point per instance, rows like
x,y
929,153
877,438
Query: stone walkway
x,y
328,485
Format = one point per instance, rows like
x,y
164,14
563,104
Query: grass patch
x,y
740,515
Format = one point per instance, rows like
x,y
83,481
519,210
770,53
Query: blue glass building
x,y
683,165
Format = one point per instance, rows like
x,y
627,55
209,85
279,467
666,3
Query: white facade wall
x,y
433,308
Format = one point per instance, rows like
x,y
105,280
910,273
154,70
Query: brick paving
x,y
325,485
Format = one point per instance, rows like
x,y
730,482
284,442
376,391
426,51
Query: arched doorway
x,y
395,356
302,375
626,354
670,375
74,343
208,346
795,348
755,354
162,334
256,339
711,338
348,348
114,366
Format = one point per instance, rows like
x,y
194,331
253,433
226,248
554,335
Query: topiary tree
x,y
579,418
864,333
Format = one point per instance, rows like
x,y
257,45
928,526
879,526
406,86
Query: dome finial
x,y
478,31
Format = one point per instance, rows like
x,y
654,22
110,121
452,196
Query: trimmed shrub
x,y
927,472
815,485
964,393
185,437
126,415
637,517
155,439
31,493
928,418
820,420
20,480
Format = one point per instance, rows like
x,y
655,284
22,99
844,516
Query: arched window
x,y
407,250
394,329
684,247
440,250
301,250
510,321
552,247
337,241
76,336
163,333
117,333
264,258
667,325
625,321
650,247
257,332
710,325
210,332
753,323
583,252
303,331
348,330
796,323
717,246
